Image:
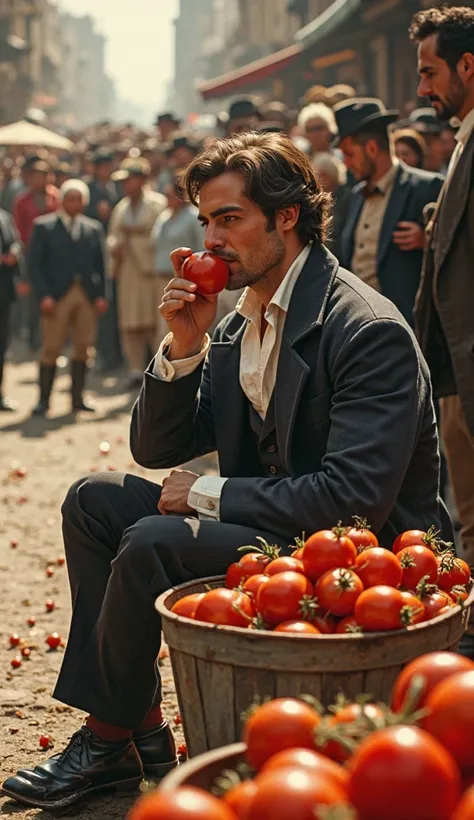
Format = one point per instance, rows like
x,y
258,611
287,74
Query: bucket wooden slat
x,y
220,670
203,771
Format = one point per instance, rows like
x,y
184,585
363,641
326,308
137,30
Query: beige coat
x,y
137,283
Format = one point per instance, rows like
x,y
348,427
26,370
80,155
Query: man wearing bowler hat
x,y
384,236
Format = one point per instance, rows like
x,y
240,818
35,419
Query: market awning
x,y
250,73
326,23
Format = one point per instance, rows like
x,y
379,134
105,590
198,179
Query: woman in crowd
x,y
410,147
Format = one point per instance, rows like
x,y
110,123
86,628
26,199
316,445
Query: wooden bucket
x,y
203,771
219,671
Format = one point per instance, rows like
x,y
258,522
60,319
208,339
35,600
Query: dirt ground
x,y
55,452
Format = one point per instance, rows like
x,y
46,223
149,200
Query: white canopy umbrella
x,y
26,133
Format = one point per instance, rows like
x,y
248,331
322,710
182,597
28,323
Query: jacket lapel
x,y
305,315
347,239
453,204
394,210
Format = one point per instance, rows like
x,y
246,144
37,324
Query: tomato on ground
x,y
451,717
379,608
286,563
284,598
347,715
309,761
226,607
403,772
328,549
287,794
186,803
432,669
376,566
297,627
283,723
186,607
453,572
417,563
338,590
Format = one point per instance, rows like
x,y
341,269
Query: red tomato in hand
x,y
185,803
413,538
402,772
378,566
347,715
284,598
239,798
451,717
253,563
452,572
283,723
465,809
186,607
379,608
207,271
361,535
287,563
328,549
287,794
338,590
433,668
417,562
298,627
225,606
308,761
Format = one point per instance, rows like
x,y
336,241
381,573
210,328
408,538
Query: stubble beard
x,y
454,101
258,264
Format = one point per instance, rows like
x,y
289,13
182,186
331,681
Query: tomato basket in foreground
x,y
219,671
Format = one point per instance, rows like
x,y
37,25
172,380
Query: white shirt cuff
x,y
166,371
205,496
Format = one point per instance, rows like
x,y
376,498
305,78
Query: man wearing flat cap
x,y
384,237
245,114
133,262
166,122
425,121
67,268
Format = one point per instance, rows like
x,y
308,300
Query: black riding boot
x,y
46,379
78,378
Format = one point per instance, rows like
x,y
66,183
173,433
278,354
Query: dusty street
x,y
54,452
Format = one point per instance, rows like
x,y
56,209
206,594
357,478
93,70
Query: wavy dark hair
x,y
454,28
276,174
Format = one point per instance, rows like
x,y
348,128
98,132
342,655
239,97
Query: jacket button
x,y
273,470
271,448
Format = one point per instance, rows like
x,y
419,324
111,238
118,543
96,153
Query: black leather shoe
x,y
82,406
87,765
157,750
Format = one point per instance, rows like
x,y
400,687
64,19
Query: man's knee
x,y
91,494
154,545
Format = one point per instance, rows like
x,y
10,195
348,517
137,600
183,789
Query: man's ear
x,y
287,218
465,68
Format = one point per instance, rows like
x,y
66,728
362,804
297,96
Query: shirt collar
x,y
250,305
466,128
386,181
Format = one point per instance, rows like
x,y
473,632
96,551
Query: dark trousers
x,y
121,555
108,337
5,306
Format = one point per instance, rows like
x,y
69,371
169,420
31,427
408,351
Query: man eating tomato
x,y
317,400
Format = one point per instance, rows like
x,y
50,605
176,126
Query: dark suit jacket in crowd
x,y
446,330
8,236
101,193
55,260
398,271
354,418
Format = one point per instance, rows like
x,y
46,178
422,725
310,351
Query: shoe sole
x,y
160,770
121,786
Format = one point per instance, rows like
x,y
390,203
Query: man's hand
x,y
101,306
409,237
47,305
174,495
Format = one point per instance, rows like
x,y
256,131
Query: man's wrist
x,y
178,351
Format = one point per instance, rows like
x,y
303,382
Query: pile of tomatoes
x,y
337,581
362,761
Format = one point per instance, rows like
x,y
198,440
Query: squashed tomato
x,y
338,590
452,572
431,669
451,717
283,723
417,563
328,549
186,607
403,772
376,566
379,608
284,598
287,794
186,803
226,607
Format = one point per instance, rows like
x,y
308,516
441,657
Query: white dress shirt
x,y
72,224
257,372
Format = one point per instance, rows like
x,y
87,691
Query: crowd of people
x,y
315,392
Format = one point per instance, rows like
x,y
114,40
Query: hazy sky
x,y
141,41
